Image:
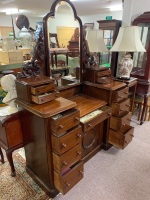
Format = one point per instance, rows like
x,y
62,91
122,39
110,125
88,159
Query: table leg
x,y
144,109
10,160
2,156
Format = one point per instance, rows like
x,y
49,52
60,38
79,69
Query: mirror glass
x,y
63,35
140,57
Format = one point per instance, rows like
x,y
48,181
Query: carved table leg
x,y
2,156
10,160
144,109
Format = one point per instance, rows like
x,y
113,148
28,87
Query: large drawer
x,y
62,163
69,180
121,108
121,139
62,122
87,122
117,123
62,144
103,73
120,94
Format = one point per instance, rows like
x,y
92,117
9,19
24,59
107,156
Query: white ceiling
x,y
39,8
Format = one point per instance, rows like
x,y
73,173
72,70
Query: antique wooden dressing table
x,y
68,130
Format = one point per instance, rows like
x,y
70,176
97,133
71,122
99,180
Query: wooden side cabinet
x,y
11,136
111,29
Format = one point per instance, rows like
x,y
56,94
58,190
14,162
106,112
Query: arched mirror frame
x,y
46,35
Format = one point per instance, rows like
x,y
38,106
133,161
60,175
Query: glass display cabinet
x,y
141,69
111,29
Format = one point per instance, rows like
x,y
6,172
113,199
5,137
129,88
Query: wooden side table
x,y
11,137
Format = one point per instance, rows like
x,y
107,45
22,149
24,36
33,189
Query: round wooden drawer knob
x,y
79,135
63,145
68,184
65,163
79,153
60,126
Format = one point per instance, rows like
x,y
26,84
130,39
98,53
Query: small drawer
x,y
103,73
62,163
62,144
121,139
92,119
117,123
40,99
120,94
43,89
65,182
64,121
121,108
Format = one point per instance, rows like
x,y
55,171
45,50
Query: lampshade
x,y
128,40
95,41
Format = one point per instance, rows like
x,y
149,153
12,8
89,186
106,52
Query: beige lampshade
x,y
95,41
128,40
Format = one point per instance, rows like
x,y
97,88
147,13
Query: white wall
x,y
5,20
134,8
94,18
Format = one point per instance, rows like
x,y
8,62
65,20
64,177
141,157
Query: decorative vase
x,y
125,67
9,44
38,29
25,38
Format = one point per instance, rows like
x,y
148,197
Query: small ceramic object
x,y
25,38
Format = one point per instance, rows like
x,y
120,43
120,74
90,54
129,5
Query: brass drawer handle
x,y
126,93
63,145
79,135
65,163
79,153
121,109
67,184
61,126
109,114
77,118
123,124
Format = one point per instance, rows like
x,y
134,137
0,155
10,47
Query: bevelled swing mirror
x,y
63,44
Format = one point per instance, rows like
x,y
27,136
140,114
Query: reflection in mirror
x,y
63,35
140,57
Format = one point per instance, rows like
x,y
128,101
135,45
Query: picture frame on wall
x,y
89,26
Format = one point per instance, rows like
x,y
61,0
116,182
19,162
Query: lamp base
x,y
125,66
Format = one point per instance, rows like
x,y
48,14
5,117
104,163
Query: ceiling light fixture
x,y
11,11
116,8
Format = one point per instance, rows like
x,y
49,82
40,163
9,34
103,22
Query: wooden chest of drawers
x,y
120,133
36,89
66,146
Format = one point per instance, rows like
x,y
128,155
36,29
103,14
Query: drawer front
x,y
121,139
62,163
103,73
118,123
87,125
69,180
40,99
120,94
43,89
121,108
62,144
64,121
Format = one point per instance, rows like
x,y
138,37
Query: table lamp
x,y
128,40
96,45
